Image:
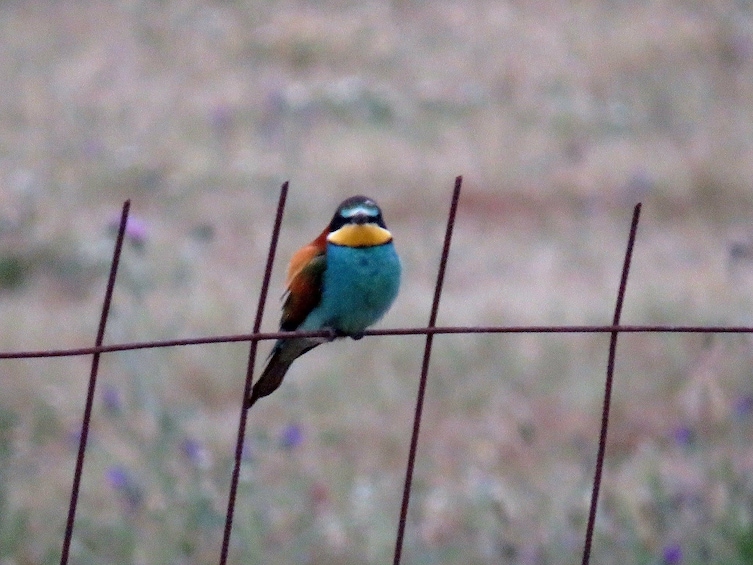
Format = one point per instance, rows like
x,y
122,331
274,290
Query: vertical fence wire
x,y
249,375
425,371
92,385
608,386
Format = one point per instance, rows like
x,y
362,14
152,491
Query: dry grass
x,y
560,117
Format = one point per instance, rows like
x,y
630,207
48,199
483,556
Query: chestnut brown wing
x,y
304,292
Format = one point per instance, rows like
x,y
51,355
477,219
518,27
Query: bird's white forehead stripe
x,y
368,208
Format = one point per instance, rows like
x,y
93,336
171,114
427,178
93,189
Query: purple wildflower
x,y
291,436
672,554
136,231
117,477
111,399
125,485
684,436
743,405
196,453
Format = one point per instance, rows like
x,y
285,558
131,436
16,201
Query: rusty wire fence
x,y
430,330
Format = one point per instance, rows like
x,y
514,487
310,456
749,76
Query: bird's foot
x,y
334,334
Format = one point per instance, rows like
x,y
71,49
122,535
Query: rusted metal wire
x,y
425,371
444,330
608,386
92,385
429,331
249,375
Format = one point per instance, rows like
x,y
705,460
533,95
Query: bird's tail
x,y
283,354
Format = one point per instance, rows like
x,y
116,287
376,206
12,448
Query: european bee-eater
x,y
344,281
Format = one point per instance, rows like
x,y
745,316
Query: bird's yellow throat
x,y
360,235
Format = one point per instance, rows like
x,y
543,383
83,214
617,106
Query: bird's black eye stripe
x,y
356,206
338,221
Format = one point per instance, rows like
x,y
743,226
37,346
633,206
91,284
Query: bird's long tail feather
x,y
283,354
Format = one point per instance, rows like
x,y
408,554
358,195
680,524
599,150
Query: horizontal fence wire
x,y
407,331
428,331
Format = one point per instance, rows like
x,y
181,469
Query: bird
x,y
344,281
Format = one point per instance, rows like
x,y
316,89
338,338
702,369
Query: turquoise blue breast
x,y
359,286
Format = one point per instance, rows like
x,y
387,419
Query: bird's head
x,y
358,223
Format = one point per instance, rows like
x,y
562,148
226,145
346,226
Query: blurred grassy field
x,y
560,117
